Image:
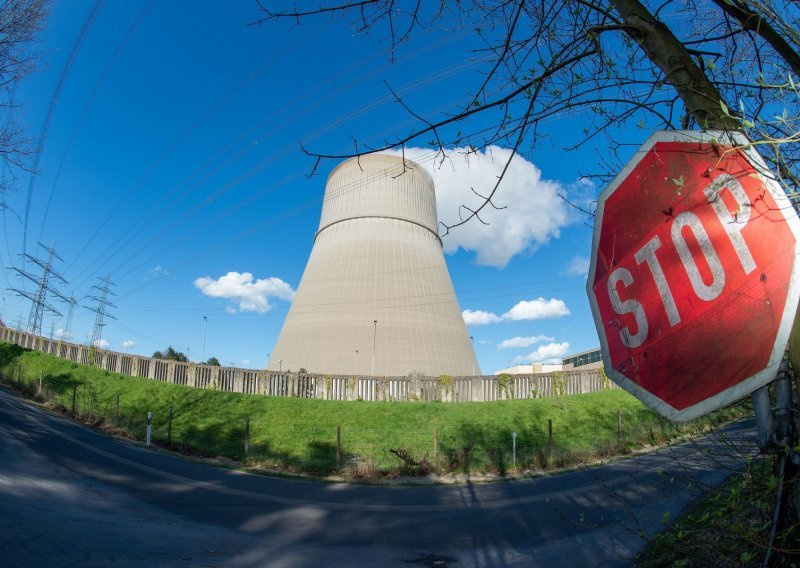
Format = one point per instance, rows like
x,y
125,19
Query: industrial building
x,y
376,297
585,360
591,359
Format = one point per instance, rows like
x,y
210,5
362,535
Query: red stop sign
x,y
693,280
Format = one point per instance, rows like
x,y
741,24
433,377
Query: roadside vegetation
x,y
375,439
731,526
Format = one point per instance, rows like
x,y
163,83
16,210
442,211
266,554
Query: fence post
x,y
41,374
619,428
514,449
116,413
169,425
338,447
549,439
247,437
149,428
435,448
74,397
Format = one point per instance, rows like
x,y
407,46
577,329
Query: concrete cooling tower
x,y
376,296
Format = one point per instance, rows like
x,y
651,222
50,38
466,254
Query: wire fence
x,y
353,451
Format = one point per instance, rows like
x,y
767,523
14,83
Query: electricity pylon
x,y
66,333
100,309
44,285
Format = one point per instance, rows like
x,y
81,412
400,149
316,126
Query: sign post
x,y
694,280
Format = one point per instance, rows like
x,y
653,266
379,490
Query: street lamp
x,y
374,334
356,362
280,365
205,329
268,356
472,340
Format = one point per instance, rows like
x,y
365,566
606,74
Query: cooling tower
x,y
376,296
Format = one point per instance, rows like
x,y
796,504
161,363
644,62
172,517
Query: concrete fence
x,y
321,386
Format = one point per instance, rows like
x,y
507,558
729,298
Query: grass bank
x,y
374,438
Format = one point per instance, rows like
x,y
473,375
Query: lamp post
x,y
280,365
472,340
205,329
268,356
356,362
374,334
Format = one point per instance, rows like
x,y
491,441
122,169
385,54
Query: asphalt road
x,y
71,496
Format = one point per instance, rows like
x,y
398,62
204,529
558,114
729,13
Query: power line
x,y
87,26
86,106
160,209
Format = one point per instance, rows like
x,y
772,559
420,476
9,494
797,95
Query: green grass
x,y
299,435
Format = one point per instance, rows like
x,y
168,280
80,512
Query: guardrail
x,y
318,385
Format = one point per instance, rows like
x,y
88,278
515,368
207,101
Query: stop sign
x,y
693,281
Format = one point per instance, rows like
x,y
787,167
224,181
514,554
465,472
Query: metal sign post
x,y
149,419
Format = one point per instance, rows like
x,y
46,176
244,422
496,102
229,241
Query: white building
x,y
531,368
591,359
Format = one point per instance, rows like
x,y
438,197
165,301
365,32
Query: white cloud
x,y
479,317
244,362
578,266
533,214
537,309
158,272
62,334
251,295
523,341
522,311
548,353
101,343
128,344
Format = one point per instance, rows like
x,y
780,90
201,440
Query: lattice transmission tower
x,y
100,309
43,286
66,332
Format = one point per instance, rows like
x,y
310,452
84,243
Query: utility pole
x,y
100,309
472,341
39,298
203,352
374,335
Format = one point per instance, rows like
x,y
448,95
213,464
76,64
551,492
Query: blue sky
x,y
172,163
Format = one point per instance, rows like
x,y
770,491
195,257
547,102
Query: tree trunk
x,y
701,99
